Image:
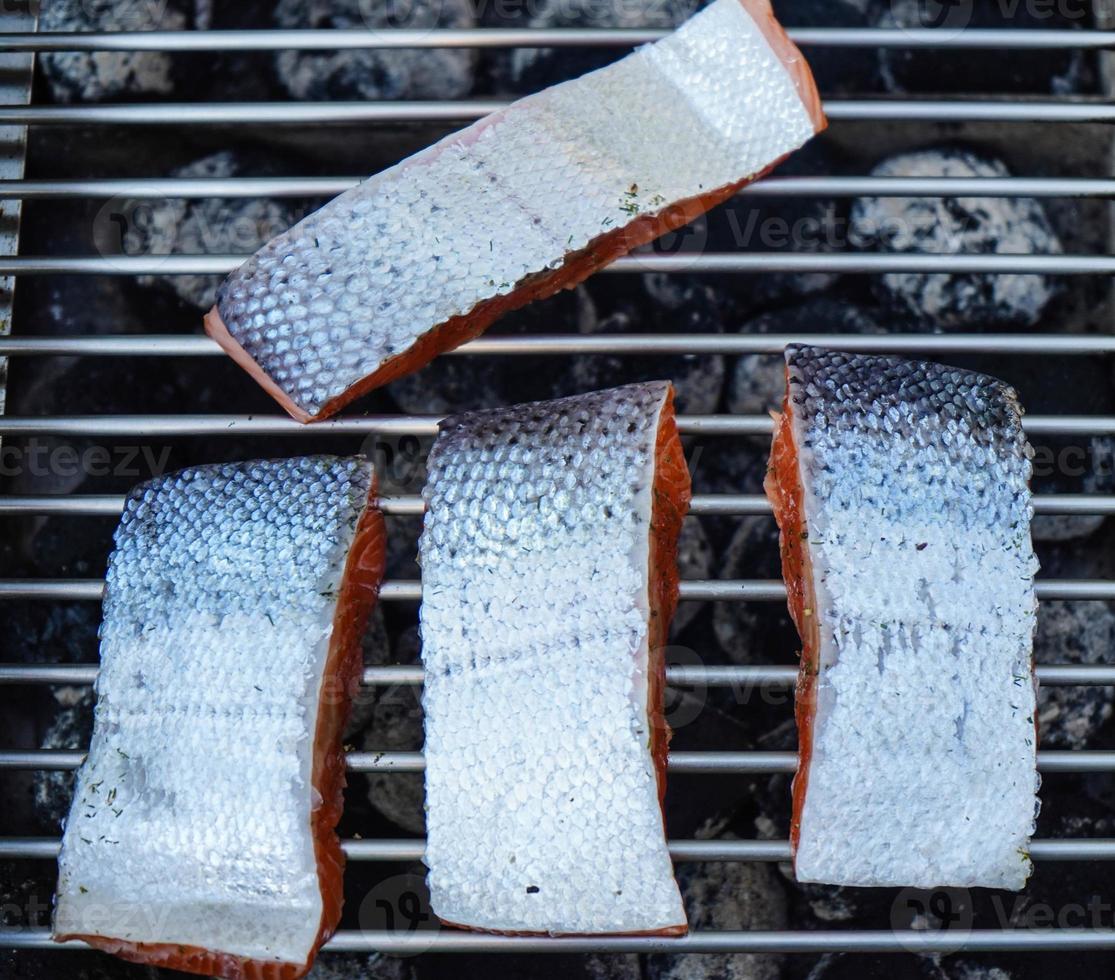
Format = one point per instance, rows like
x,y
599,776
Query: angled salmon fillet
x,y
549,578
530,200
902,495
201,835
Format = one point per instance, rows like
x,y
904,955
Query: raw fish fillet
x,y
549,578
902,493
530,200
201,835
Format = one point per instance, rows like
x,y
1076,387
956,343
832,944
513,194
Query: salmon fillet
x,y
549,571
202,832
527,201
901,491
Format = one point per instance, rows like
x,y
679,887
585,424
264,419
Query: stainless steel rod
x,y
358,113
730,263
945,942
722,504
1053,849
712,590
678,675
444,37
691,763
190,345
169,426
827,186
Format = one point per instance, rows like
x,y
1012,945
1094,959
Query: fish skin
x,y
549,576
902,495
202,833
529,200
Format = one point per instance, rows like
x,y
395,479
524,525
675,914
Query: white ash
x,y
403,73
80,76
205,226
71,729
1074,633
722,896
954,225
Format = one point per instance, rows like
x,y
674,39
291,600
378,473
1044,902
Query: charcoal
x,y
695,561
757,382
376,646
726,895
1074,633
523,70
54,632
396,725
1000,70
71,728
374,74
466,383
838,71
797,222
754,632
956,301
348,966
658,305
76,76
205,226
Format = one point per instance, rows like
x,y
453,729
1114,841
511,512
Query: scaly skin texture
x,y
901,493
361,571
549,578
532,199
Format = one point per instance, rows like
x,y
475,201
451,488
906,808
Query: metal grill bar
x,y
712,590
758,941
464,110
444,37
641,263
1053,849
773,675
168,426
226,187
196,345
690,763
723,505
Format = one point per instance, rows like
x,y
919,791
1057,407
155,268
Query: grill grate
x,y
998,111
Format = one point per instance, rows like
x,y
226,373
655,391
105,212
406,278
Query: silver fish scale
x,y
917,503
358,282
218,609
542,802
